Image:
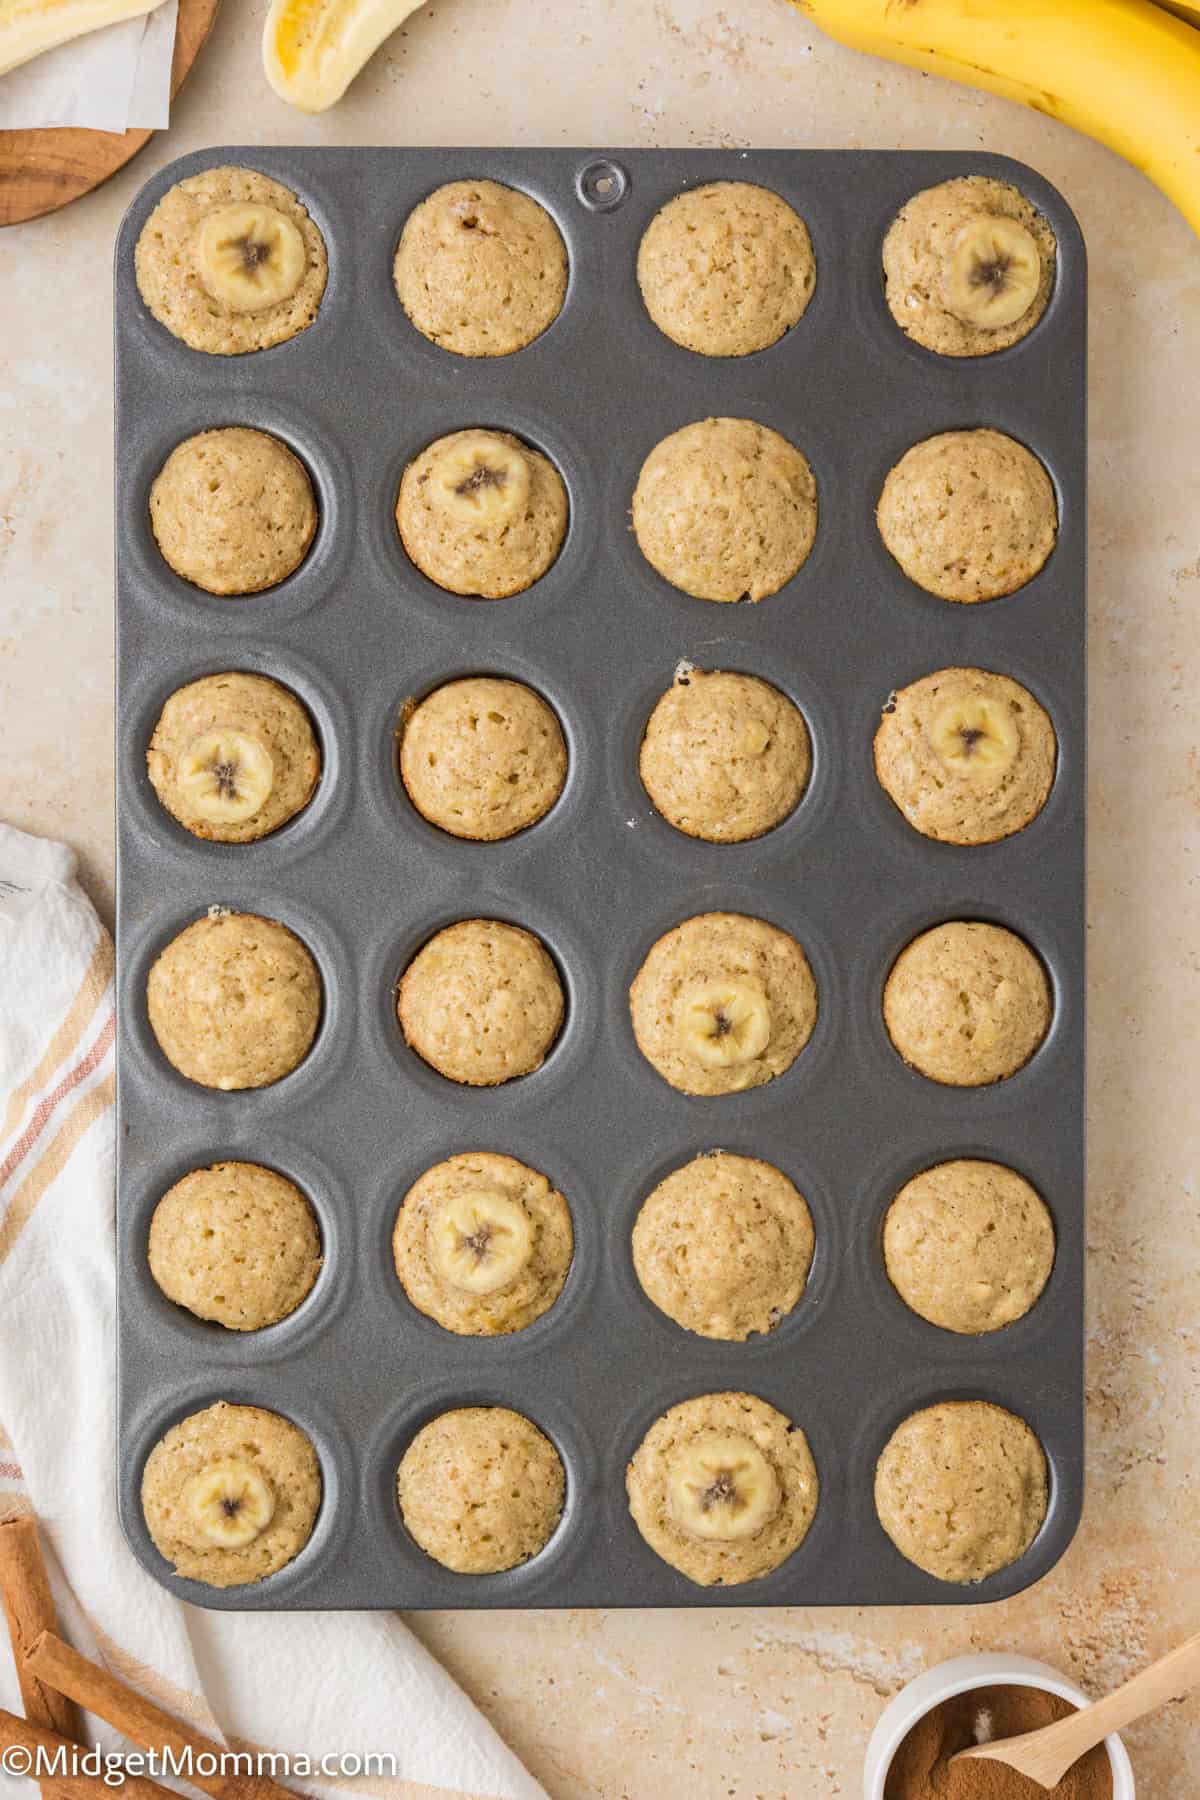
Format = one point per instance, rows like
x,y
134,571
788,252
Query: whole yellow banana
x,y
1125,71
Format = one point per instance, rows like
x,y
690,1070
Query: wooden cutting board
x,y
43,170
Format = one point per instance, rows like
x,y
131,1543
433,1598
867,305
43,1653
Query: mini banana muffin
x,y
482,757
723,1003
968,1245
230,261
968,266
231,1494
725,757
725,509
723,1487
481,513
233,511
727,268
968,756
967,1003
961,1489
723,1246
969,515
234,1001
481,269
481,1002
483,1244
481,1489
235,1243
233,757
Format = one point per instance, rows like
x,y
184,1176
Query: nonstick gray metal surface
x,y
365,881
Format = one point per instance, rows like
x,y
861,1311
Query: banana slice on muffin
x,y
726,1023
482,1244
229,1503
481,513
226,777
722,1003
967,755
723,1487
229,261
250,257
231,1493
481,475
233,756
968,266
992,273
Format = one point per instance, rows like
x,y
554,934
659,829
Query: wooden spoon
x,y
1046,1755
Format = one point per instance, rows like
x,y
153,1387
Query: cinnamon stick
x,y
137,1718
24,1734
29,1609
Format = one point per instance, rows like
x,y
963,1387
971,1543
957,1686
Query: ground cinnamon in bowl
x,y
921,1768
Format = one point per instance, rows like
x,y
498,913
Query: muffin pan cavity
x,y
356,632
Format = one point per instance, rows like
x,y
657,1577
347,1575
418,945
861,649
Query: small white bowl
x,y
959,1676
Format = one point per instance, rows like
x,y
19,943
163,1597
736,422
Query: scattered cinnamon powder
x,y
921,1766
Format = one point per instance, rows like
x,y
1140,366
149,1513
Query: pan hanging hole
x,y
602,185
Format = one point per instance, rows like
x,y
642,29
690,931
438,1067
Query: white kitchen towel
x,y
306,1684
115,79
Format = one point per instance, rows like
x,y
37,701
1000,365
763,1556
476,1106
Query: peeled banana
x,y
1124,71
313,49
27,27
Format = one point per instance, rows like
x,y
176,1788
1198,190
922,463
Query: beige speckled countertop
x,y
753,1704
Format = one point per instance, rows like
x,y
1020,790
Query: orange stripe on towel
x,y
75,1022
87,1109
45,1107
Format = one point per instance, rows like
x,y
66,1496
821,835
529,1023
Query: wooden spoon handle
x,y
1046,1755
1170,1678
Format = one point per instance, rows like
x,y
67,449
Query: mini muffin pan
x,y
365,881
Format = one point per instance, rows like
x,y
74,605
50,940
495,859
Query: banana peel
x,y
28,27
1183,9
313,49
1126,72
